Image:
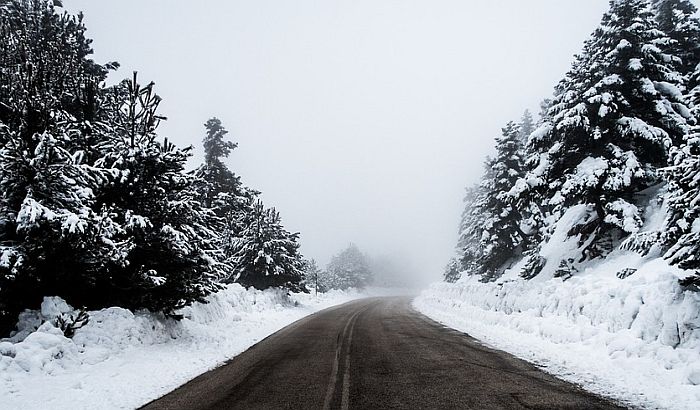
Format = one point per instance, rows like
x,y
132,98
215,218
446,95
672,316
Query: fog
x,y
361,121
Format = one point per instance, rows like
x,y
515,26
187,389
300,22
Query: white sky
x,y
359,120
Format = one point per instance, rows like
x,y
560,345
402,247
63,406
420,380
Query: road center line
x,y
334,370
345,338
345,397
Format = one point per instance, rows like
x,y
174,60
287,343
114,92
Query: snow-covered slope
x,y
635,339
121,360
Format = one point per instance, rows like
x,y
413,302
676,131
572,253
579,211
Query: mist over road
x,y
375,353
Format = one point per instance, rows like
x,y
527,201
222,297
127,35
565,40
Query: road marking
x,y
334,371
345,397
343,340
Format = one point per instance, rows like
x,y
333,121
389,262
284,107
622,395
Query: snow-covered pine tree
x,y
609,127
527,194
349,269
469,245
502,237
677,18
531,193
682,231
543,115
314,276
215,145
527,126
220,189
453,271
172,258
224,193
681,234
265,254
49,96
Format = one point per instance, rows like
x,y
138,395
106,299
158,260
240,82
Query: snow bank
x,y
121,359
636,339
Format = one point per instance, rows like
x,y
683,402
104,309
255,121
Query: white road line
x,y
343,341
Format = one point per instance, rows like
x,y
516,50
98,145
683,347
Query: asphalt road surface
x,y
375,353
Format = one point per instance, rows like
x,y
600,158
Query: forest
x,y
620,134
99,209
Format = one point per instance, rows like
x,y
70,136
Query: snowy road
x,y
372,354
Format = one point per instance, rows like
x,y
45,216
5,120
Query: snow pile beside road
x,y
122,360
635,339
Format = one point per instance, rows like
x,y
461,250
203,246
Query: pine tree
x,y
349,269
683,224
215,146
266,255
314,277
502,237
491,231
609,125
172,258
469,244
49,96
220,190
677,19
532,193
224,193
681,234
452,271
527,126
545,106
528,193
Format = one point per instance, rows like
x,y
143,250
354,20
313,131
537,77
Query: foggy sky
x,y
361,121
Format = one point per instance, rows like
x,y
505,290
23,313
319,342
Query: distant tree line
x,y
348,269
621,132
95,207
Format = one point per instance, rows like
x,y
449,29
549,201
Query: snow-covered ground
x,y
121,360
636,339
